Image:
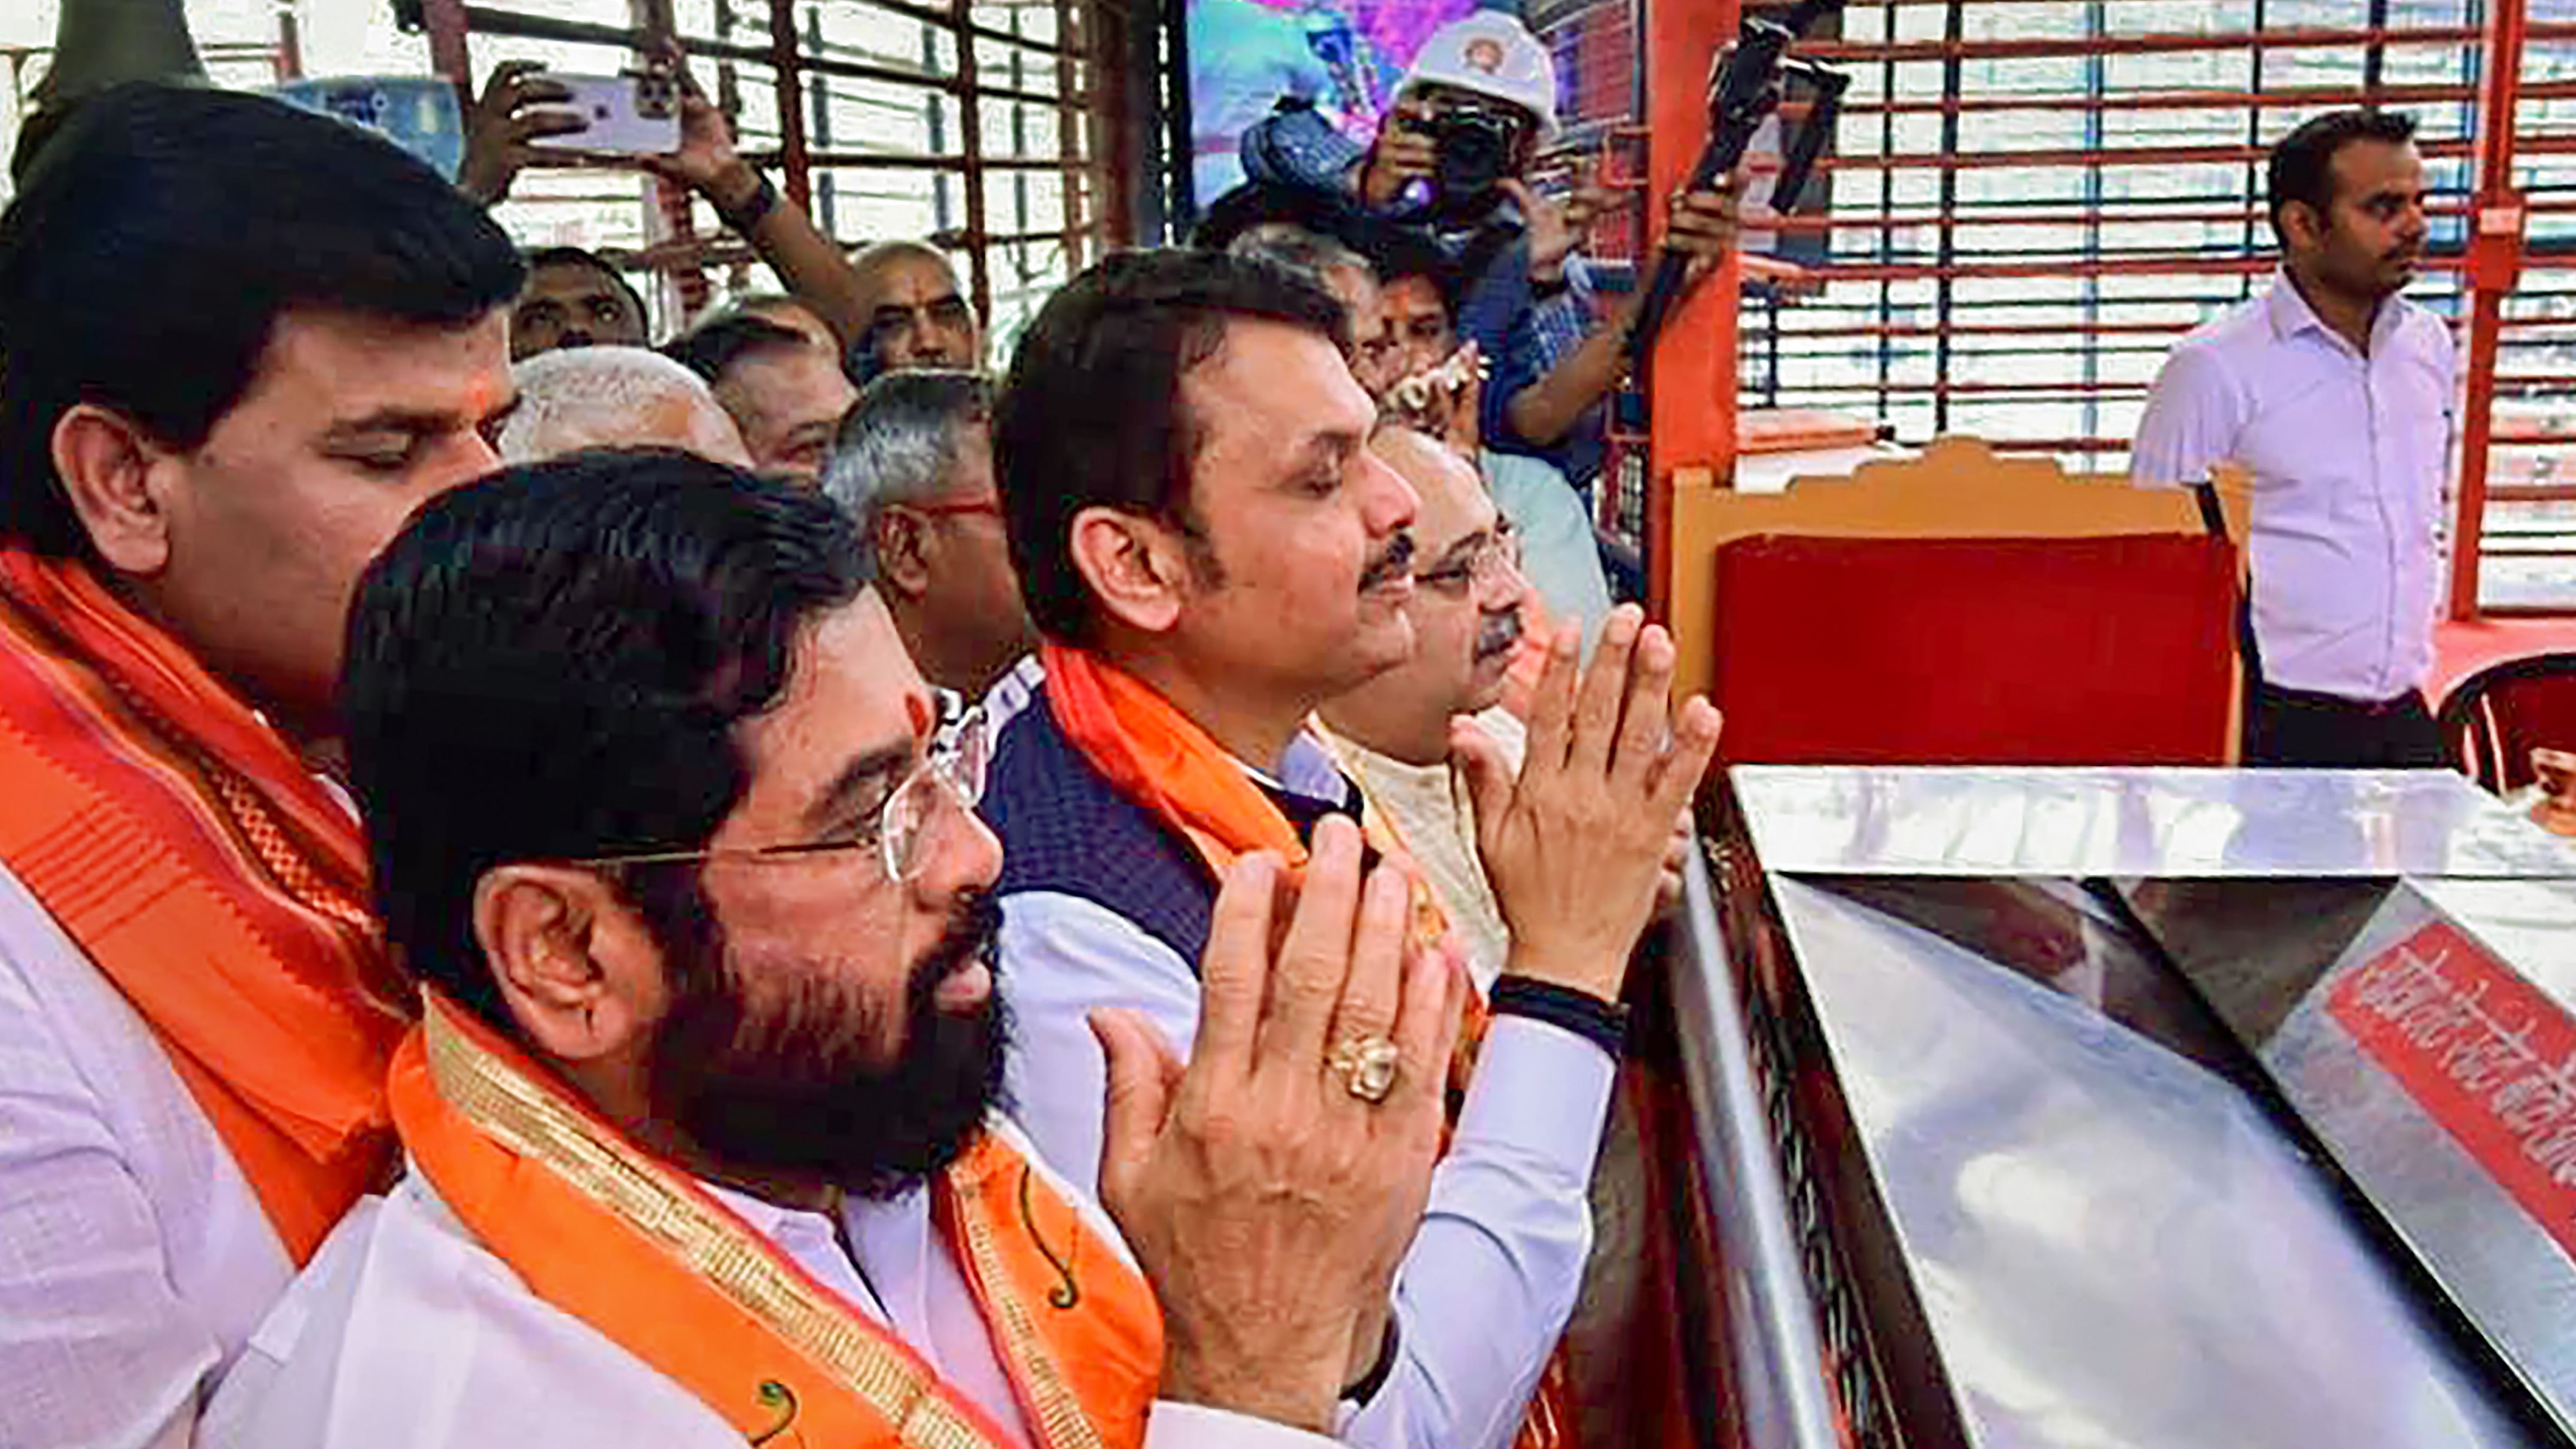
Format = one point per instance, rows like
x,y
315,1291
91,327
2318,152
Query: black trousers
x,y
2294,727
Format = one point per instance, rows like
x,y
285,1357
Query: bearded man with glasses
x,y
700,1120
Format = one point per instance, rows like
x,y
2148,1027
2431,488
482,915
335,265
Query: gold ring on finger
x,y
1367,1066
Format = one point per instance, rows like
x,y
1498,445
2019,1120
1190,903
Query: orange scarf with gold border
x,y
182,843
630,1245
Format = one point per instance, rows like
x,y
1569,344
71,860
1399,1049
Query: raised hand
x,y
1557,232
1575,846
1446,401
706,161
1701,225
519,103
1271,1186
1401,155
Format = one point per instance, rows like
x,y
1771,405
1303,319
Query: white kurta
x,y
1428,808
406,1333
134,1257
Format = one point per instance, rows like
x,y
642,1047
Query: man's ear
x,y
1134,566
2302,225
577,969
117,477
903,564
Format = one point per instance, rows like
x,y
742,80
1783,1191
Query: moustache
x,y
1384,569
1499,635
974,921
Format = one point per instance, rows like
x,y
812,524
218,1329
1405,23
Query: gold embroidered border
x,y
1061,1420
647,1197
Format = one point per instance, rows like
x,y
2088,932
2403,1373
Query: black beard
x,y
795,1096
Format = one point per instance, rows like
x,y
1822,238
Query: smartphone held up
x,y
634,113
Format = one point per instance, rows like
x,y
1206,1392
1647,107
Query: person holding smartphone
x,y
523,119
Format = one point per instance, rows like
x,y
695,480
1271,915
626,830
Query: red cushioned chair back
x,y
2497,715
2106,650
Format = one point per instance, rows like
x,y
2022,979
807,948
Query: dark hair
x,y
551,664
1401,252
159,238
539,258
711,349
1092,415
2302,165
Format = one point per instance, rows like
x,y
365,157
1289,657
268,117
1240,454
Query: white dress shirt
x,y
1491,1278
2350,457
406,1333
134,1257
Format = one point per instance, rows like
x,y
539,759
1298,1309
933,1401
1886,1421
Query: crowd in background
x,y
518,840
520,835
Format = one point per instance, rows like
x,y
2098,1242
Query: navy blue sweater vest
x,y
1066,829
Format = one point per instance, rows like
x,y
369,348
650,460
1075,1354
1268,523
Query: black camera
x,y
1474,149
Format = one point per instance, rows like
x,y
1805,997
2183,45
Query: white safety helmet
x,y
1491,54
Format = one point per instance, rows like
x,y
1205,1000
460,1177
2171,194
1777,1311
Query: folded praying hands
x,y
1577,845
1270,1187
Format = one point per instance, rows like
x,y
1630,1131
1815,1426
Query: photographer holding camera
x,y
1452,159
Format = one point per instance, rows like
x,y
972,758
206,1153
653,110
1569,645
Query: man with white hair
x,y
613,397
914,462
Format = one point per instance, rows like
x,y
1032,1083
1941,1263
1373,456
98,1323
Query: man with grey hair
x,y
613,397
914,461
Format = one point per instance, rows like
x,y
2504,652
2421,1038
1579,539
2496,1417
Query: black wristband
x,y
1366,1387
1602,1023
743,218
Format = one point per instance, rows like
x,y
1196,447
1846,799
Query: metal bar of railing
x,y
1772,1338
2396,95
2211,155
2064,47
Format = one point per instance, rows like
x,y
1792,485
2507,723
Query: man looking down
x,y
700,1113
239,344
1212,551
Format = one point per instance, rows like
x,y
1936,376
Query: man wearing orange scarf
x,y
701,1114
1212,551
238,345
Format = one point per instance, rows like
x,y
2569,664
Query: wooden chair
x,y
1972,510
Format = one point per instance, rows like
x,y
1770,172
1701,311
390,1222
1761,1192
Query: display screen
x,y
1346,56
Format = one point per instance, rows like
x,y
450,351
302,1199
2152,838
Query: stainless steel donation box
x,y
2112,1107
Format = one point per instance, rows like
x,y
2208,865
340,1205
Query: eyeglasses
x,y
1499,552
901,830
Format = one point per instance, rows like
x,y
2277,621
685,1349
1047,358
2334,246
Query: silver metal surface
x,y
1768,1320
2110,1245
2081,822
2488,1254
